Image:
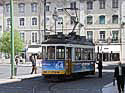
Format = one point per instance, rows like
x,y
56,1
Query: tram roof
x,y
71,38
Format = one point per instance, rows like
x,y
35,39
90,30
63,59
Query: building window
x,y
73,5
73,18
89,35
7,7
89,5
21,7
89,19
21,21
114,35
34,21
102,35
102,20
115,19
47,8
34,37
22,36
102,4
114,3
34,7
8,22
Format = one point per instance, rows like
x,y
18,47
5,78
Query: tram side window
x,y
90,54
93,55
43,52
60,52
51,52
77,53
82,54
85,54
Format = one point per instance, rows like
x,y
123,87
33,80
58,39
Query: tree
x,y
5,43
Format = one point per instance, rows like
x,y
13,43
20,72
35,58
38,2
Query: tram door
x,y
69,59
68,53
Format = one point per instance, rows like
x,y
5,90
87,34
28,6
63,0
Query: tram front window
x,y
60,52
51,52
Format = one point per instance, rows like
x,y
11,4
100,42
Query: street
x,y
86,84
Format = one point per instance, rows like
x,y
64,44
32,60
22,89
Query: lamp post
x,y
12,40
55,17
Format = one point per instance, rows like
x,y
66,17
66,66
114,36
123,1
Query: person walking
x,y
119,76
33,60
17,59
100,68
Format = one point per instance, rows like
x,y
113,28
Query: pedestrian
x,y
33,60
17,59
100,68
119,76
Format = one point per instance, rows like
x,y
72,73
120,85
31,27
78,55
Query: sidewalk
x,y
18,78
110,88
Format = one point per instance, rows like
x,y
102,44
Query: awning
x,y
34,49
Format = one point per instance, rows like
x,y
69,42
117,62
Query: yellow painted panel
x,y
53,72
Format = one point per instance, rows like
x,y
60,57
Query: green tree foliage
x,y
5,43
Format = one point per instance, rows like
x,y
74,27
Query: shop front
x,y
108,52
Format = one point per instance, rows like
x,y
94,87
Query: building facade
x,y
29,19
103,26
98,20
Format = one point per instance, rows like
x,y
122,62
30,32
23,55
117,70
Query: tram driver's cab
x,y
56,59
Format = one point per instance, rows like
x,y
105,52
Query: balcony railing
x,y
107,41
116,40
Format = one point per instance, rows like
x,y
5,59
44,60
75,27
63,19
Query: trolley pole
x,y
44,19
12,40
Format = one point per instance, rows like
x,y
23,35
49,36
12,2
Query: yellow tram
x,y
67,56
